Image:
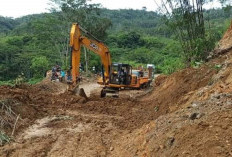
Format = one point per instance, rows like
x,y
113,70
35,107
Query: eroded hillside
x,y
188,113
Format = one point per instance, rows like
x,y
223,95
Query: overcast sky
x,y
18,8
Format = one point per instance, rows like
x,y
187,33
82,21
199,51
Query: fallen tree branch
x,y
15,125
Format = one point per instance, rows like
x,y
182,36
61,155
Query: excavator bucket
x,y
82,93
78,91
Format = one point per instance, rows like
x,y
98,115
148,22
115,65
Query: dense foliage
x,y
187,20
33,44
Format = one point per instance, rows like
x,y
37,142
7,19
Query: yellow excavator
x,y
114,75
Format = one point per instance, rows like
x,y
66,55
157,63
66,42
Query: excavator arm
x,y
76,41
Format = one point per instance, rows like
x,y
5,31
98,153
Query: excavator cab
x,y
120,74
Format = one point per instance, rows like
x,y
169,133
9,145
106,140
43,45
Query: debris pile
x,y
189,113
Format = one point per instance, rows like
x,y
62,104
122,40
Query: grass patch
x,y
4,138
8,83
12,82
34,80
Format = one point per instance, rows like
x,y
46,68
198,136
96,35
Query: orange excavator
x,y
114,75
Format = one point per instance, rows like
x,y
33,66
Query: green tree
x,y
79,11
187,19
130,40
39,66
87,15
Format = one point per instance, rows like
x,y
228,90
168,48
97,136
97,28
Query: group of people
x,y
59,75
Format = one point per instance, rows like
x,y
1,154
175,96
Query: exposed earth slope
x,y
188,113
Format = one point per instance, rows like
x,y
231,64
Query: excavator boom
x,y
76,41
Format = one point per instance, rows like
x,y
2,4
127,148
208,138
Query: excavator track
x,y
110,92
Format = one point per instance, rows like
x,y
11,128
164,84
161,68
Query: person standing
x,y
69,77
62,73
53,78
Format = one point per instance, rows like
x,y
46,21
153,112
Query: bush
x,y
171,65
39,66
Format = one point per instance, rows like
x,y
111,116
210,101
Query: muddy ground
x,y
56,124
188,113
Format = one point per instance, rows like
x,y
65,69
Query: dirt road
x,y
89,87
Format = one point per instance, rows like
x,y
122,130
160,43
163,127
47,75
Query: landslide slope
x,y
189,113
200,112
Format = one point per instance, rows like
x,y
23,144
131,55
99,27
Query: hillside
x,y
136,37
122,20
199,118
188,113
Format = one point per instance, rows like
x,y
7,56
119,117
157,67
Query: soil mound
x,y
51,86
199,123
91,126
225,45
226,41
31,103
170,91
187,114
